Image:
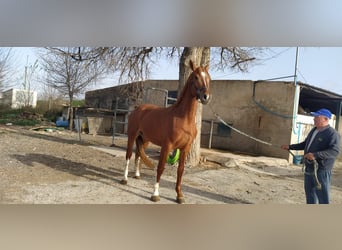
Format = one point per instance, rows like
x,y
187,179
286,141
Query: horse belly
x,y
153,132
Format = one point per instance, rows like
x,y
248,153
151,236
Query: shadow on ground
x,y
111,177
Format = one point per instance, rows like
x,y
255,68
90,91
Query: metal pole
x,y
166,98
211,133
114,120
296,66
78,127
338,116
296,97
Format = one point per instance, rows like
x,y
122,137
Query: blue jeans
x,y
314,195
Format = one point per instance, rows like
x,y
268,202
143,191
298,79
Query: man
x,y
321,148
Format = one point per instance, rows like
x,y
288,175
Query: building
x,y
274,112
253,117
18,98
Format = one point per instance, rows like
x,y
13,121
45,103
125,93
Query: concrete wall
x,y
136,93
263,110
126,97
233,101
17,98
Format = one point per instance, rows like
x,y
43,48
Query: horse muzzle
x,y
204,98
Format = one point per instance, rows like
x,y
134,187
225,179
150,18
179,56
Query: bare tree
x,y
5,67
27,95
68,76
50,95
135,64
200,56
132,63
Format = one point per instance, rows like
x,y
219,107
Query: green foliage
x,y
20,117
78,103
17,119
19,122
45,111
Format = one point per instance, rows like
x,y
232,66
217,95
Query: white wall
x,y
17,98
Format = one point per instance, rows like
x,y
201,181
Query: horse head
x,y
200,80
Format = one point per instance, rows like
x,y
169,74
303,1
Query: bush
x,y
32,116
20,117
78,103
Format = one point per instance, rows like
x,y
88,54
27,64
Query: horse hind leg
x,y
140,151
141,145
137,164
128,157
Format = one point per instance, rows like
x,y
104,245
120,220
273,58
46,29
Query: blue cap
x,y
323,112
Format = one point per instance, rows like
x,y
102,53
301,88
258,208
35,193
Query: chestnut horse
x,y
170,128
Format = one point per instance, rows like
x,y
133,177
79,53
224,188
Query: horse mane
x,y
184,90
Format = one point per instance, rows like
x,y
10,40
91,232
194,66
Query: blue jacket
x,y
325,147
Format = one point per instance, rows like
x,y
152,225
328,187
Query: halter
x,y
199,90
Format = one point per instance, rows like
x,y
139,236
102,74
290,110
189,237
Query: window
x,y
171,97
223,130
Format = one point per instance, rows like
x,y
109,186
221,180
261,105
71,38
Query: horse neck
x,y
186,104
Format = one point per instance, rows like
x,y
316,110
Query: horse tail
x,y
141,152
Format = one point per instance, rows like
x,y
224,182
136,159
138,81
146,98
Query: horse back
x,y
140,112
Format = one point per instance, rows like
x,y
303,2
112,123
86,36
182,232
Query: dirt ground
x,y
49,166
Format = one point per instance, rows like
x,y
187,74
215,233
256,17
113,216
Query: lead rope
x,y
318,184
315,163
239,131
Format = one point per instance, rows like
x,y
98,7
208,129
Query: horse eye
x,y
196,77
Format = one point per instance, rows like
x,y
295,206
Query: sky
x,y
316,66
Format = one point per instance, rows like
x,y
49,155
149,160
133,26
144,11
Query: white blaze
x,y
203,74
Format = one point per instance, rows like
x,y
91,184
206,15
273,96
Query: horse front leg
x,y
125,179
180,198
161,166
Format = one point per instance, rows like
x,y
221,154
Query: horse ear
x,y
192,65
206,67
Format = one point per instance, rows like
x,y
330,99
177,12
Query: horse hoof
x,y
155,198
180,200
123,182
137,177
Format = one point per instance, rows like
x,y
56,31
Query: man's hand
x,y
309,156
